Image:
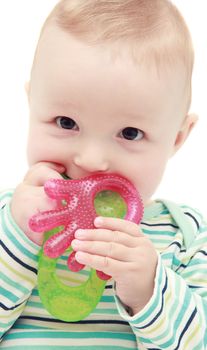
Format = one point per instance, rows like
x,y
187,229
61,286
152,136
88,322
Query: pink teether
x,y
76,210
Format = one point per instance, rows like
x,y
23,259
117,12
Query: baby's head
x,y
110,89
153,31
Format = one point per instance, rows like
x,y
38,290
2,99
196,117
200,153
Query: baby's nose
x,y
92,159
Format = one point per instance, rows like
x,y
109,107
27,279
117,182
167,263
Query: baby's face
x,y
94,112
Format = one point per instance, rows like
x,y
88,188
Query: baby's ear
x,y
186,127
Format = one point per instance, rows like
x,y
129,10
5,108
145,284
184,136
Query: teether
x,y
77,202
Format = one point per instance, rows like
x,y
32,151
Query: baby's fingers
x,y
104,235
39,173
105,249
103,263
115,224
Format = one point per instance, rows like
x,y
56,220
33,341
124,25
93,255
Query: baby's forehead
x,y
159,41
158,53
62,61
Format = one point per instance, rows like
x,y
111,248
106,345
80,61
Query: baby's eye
x,y
66,123
131,134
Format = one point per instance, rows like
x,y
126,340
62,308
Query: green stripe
x,y
22,326
6,325
9,295
35,304
68,335
171,257
15,241
160,233
35,292
107,298
12,283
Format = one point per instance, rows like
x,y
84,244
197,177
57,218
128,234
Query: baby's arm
x,y
176,315
166,309
18,267
18,245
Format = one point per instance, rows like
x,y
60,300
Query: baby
x,y
109,92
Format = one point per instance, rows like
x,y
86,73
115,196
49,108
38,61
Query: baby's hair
x,y
153,30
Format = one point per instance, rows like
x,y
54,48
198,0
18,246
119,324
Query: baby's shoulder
x,y
188,219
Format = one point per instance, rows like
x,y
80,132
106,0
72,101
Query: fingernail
x,y
79,257
75,243
79,234
98,221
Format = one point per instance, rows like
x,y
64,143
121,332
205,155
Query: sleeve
x,y
18,267
175,318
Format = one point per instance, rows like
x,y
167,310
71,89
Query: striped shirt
x,y
174,318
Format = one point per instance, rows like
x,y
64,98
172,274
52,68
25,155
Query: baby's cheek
x,y
41,152
150,180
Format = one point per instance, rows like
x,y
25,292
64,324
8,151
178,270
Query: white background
x,y
185,179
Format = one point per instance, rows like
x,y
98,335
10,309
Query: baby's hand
x,y
29,197
118,248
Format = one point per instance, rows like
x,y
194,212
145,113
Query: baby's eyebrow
x,y
61,107
63,102
134,118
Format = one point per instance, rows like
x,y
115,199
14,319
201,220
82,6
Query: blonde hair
x,y
151,29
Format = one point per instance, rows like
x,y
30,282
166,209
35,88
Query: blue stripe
x,y
16,259
161,308
186,327
161,224
47,319
4,307
194,219
202,252
176,244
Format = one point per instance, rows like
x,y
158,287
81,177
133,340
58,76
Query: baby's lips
x,y
59,167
